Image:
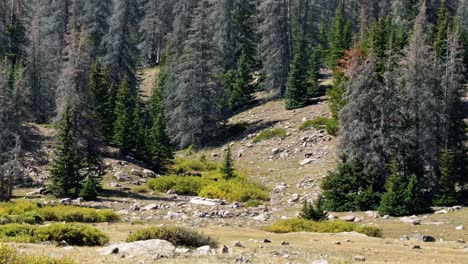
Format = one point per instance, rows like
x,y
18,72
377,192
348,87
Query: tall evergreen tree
x,y
123,124
446,195
340,37
65,177
195,102
227,168
275,44
121,43
240,93
297,85
440,43
95,21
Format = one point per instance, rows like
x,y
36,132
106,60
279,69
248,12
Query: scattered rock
x,y
206,201
114,185
348,218
331,216
295,198
306,161
176,216
461,241
411,220
135,207
214,155
181,250
150,207
136,172
460,227
280,187
443,211
284,243
77,201
224,250
337,243
320,261
205,250
416,247
122,176
138,248
65,201
238,244
149,173
62,243
386,217
261,217
404,238
372,214
266,241
428,239
275,151
171,192
359,258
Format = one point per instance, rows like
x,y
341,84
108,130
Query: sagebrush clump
x,y
178,236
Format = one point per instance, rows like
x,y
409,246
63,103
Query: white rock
x,y
306,161
348,218
206,201
460,227
150,207
320,261
443,211
205,250
149,173
142,248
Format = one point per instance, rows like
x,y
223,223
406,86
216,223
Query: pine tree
x,y
94,17
89,190
446,195
138,129
99,88
313,211
275,44
121,43
339,39
297,85
393,200
313,73
227,168
415,200
240,95
123,124
65,178
440,43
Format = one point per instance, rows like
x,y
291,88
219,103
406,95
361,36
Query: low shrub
x,y
253,203
9,255
303,225
187,166
74,234
270,133
313,211
33,213
235,190
183,185
329,124
77,214
140,189
178,236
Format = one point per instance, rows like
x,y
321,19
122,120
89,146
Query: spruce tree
x,y
65,177
446,195
415,200
138,129
297,85
313,73
227,168
123,124
99,86
89,190
339,39
314,211
443,22
240,95
394,199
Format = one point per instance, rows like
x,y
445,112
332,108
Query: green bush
x,y
178,236
183,185
352,187
270,133
253,203
77,214
329,124
182,166
74,234
33,213
235,190
303,225
313,212
9,255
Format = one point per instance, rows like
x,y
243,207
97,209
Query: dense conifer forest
x,y
397,98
